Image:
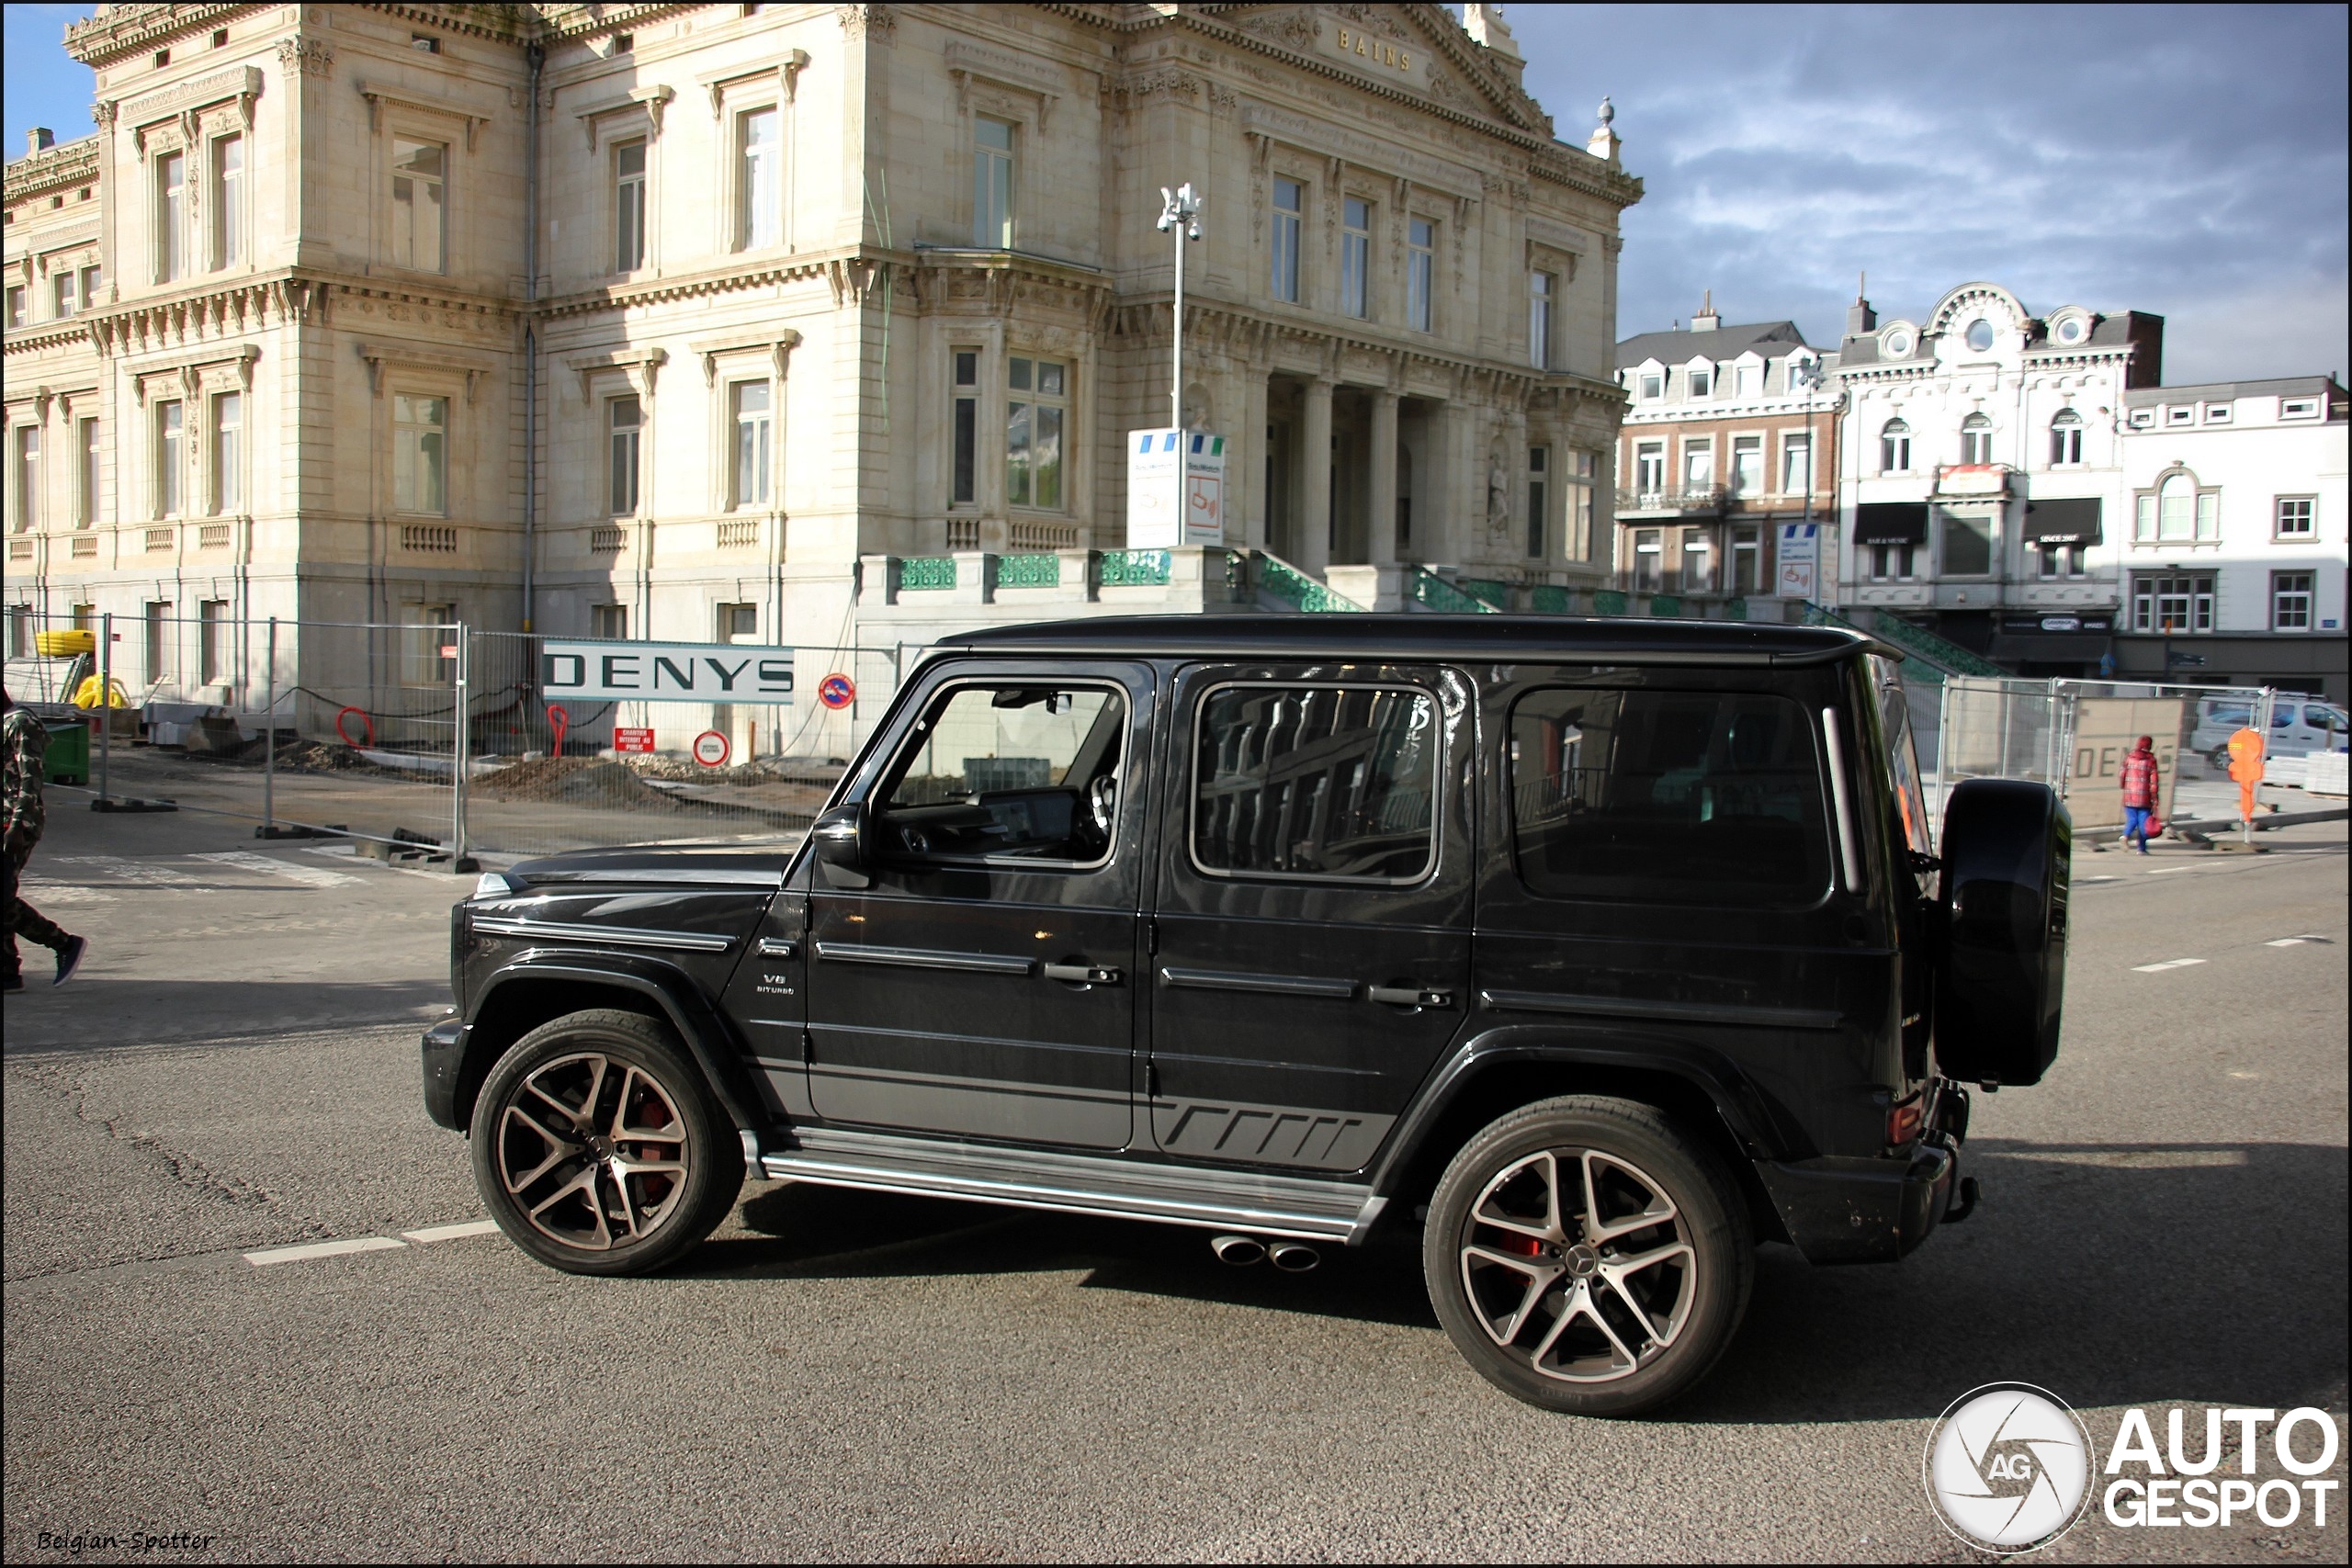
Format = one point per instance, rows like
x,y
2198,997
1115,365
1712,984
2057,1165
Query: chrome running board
x,y
1084,1184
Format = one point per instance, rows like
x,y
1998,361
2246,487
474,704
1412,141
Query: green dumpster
x,y
67,760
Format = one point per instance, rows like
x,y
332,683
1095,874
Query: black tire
x,y
1692,1303
611,1205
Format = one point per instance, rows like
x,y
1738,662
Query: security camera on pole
x,y
1176,479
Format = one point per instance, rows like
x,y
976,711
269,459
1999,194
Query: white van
x,y
2300,725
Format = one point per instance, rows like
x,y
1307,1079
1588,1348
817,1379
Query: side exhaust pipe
x,y
1294,1257
1238,1250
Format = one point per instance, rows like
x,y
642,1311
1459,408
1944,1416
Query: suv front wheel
x,y
1586,1256
598,1147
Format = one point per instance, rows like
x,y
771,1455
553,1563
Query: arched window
x,y
1975,439
1894,447
2067,438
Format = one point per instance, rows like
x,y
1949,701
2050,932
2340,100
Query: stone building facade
x,y
1729,436
813,325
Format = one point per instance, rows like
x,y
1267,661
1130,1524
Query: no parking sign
x,y
837,690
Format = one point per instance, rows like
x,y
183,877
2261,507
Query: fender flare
x,y
700,1025
1755,1124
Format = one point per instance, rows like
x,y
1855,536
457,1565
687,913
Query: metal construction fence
x,y
2073,735
355,728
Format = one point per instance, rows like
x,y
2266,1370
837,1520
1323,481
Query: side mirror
x,y
839,838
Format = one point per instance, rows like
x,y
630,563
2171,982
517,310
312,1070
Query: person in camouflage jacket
x,y
23,743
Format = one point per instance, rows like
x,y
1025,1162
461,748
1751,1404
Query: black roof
x,y
1406,638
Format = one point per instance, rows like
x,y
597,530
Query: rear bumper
x,y
1862,1211
444,1048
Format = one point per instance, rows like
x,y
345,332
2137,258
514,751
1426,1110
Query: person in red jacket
x,y
2141,779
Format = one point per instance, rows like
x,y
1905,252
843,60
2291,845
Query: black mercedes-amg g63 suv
x,y
1598,951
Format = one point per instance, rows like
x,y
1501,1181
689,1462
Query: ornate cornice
x,y
566,22
117,31
61,167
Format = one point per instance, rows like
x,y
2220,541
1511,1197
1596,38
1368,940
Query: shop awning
x,y
1891,523
2068,521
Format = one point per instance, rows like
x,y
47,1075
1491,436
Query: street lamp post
x,y
1182,212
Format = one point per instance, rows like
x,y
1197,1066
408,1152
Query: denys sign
x,y
664,672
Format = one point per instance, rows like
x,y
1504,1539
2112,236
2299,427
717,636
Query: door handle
x,y
1408,996
1082,973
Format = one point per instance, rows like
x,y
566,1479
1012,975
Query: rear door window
x,y
1683,797
1311,781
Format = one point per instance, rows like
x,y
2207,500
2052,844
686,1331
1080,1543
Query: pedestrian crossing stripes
x,y
41,890
128,870
310,875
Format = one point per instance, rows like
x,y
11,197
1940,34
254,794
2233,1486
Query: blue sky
x,y
2189,161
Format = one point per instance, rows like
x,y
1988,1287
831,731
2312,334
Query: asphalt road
x,y
843,1376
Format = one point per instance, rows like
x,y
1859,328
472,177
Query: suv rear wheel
x,y
1586,1256
598,1147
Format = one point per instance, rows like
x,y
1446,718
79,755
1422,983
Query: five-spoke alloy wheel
x,y
1584,1255
599,1150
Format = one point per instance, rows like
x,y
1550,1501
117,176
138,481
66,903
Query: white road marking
x,y
268,1256
2168,963
38,890
2168,870
2293,941
311,875
452,1232
130,870
2102,879
353,857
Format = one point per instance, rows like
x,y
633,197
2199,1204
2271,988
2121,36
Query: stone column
x,y
1246,470
1315,489
1383,488
1448,490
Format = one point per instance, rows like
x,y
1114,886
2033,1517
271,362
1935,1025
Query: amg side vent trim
x,y
606,936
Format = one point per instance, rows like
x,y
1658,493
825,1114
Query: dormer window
x,y
2299,408
1746,380
1980,335
2069,330
2181,416
1653,385
2142,419
1702,383
2217,414
1898,344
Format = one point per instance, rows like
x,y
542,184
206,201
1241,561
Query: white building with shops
x,y
2233,535
1979,470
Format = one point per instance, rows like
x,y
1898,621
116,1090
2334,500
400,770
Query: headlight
x,y
494,886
